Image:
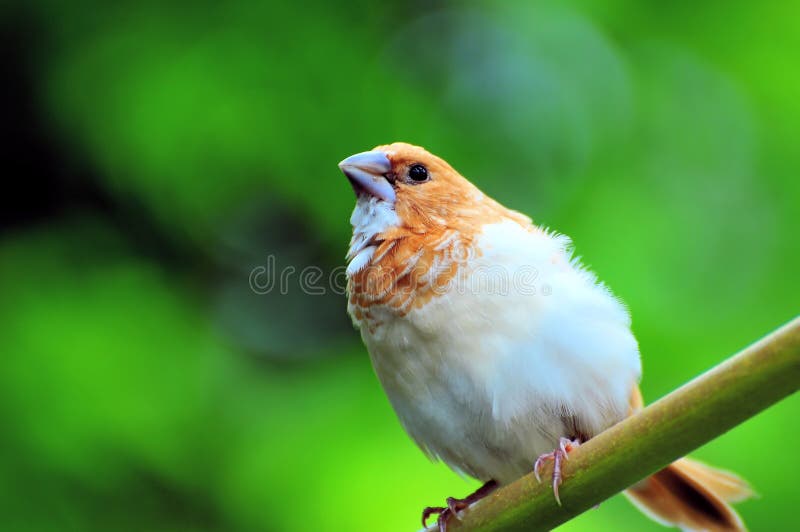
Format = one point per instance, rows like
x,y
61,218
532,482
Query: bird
x,y
496,347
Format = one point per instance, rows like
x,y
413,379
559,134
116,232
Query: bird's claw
x,y
430,510
445,513
560,454
454,506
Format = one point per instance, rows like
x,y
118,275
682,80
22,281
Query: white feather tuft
x,y
370,218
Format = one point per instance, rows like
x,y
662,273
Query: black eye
x,y
418,173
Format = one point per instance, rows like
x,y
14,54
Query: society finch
x,y
494,345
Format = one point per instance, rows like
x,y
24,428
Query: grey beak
x,y
366,172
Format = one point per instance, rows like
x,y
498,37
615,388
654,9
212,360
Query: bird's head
x,y
407,195
422,190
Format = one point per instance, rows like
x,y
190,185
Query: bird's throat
x,y
406,271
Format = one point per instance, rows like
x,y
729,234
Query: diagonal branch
x,y
692,415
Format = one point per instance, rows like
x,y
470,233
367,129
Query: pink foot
x,y
560,454
455,505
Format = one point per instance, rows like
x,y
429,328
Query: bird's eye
x,y
418,173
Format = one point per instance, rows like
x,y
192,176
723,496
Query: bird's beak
x,y
367,173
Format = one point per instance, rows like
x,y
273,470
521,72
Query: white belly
x,y
523,348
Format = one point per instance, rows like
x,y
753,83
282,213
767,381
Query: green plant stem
x,y
708,406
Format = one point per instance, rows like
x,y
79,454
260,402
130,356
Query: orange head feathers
x,y
426,193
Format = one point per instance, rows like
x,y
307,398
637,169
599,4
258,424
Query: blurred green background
x,y
158,152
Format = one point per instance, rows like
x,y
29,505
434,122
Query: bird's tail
x,y
691,496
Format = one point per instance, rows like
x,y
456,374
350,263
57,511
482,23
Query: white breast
x,y
523,348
